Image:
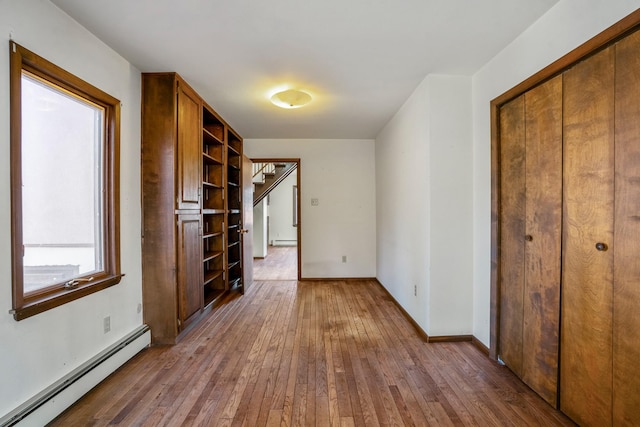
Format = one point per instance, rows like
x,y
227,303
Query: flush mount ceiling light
x,y
291,98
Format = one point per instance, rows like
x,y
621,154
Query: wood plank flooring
x,y
328,353
281,263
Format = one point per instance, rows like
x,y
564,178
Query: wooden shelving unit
x,y
234,210
191,178
213,206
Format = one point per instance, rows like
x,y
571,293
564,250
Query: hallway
x,y
281,263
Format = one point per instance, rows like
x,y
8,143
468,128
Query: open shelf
x,y
208,158
208,256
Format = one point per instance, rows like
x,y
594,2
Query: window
x,y
64,185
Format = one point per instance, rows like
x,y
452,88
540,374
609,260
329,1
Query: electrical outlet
x,y
344,258
107,324
415,290
315,202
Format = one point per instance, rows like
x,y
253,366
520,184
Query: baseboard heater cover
x,y
53,400
284,243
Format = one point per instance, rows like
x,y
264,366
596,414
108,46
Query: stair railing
x,y
260,169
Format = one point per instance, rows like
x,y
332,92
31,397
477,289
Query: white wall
x,y
281,210
450,159
423,200
340,174
260,229
39,350
566,26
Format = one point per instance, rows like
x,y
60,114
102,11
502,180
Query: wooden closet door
x,y
530,236
512,232
543,214
587,293
626,320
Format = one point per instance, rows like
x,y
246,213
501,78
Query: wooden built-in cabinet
x,y
234,209
192,206
568,235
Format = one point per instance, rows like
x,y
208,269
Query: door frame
x,y
607,37
299,187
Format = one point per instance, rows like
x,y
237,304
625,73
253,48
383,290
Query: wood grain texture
x,y
189,147
325,353
512,231
189,257
247,222
541,302
159,267
626,321
587,297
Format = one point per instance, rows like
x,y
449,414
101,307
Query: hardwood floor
x,y
281,263
310,353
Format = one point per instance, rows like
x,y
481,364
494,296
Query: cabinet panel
x,y
189,267
541,302
247,223
189,149
512,231
626,322
586,344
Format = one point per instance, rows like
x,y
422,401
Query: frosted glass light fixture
x,y
291,98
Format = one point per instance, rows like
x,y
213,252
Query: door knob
x,y
601,246
528,237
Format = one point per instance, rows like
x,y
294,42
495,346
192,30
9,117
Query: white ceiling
x,y
360,59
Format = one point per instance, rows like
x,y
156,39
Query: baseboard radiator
x,y
284,242
53,400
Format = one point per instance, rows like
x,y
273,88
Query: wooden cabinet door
x,y
189,155
247,223
587,289
190,292
543,225
626,320
512,232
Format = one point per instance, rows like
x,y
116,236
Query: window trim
x,y
54,296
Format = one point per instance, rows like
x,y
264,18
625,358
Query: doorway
x,y
276,219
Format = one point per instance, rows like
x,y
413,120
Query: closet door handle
x,y
528,238
601,246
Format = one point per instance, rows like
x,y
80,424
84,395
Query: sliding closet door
x,y
626,321
542,239
512,232
587,292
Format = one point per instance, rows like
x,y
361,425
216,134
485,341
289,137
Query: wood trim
x,y
607,37
494,323
299,227
480,346
432,339
421,333
451,338
602,40
24,306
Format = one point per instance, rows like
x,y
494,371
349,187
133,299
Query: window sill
x,y
37,305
